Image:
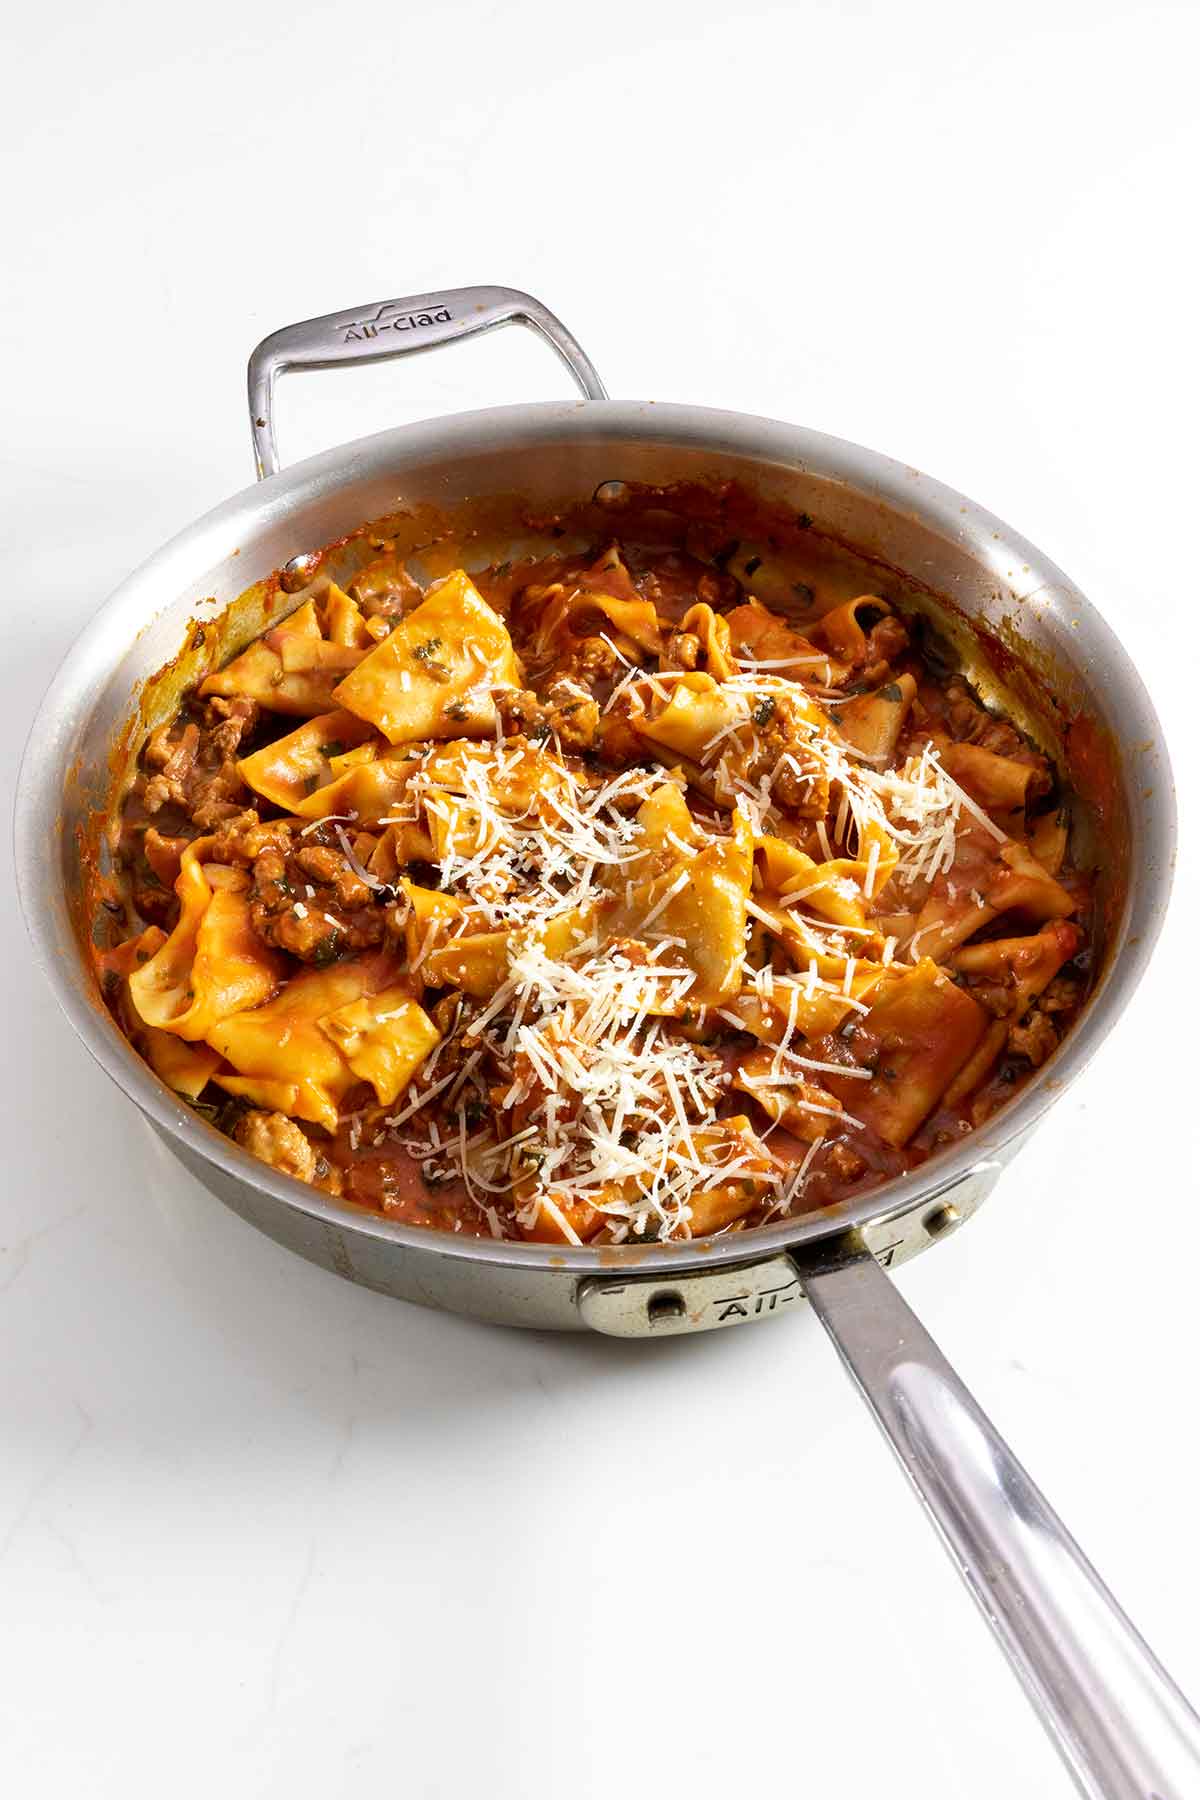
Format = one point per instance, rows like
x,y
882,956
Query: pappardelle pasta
x,y
593,899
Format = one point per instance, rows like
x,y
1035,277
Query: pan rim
x,y
770,443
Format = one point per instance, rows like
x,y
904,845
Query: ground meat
x,y
1061,996
574,716
568,713
245,836
312,904
843,1162
385,590
217,797
1001,998
276,1140
591,661
886,640
228,722
1034,1039
798,783
196,772
683,650
173,759
970,723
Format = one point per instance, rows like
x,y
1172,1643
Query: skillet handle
x,y
397,328
1121,1725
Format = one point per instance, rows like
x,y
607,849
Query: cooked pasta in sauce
x,y
591,899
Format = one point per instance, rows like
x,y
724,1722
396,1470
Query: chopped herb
x,y
805,594
458,710
890,692
803,520
423,652
502,569
754,565
764,712
333,748
327,950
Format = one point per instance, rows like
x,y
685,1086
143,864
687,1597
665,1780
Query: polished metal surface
x,y
904,518
397,328
662,1306
1121,1725
639,1306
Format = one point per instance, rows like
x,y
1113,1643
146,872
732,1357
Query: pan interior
x,y
491,486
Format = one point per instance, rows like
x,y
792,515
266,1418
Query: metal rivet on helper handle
x,y
649,1305
942,1219
298,572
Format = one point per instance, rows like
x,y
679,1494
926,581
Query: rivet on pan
x,y
942,1219
664,1305
296,574
611,493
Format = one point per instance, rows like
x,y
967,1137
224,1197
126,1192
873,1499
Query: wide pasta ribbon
x,y
303,1051
432,677
214,963
295,667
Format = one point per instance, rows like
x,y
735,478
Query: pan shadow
x,y
293,1325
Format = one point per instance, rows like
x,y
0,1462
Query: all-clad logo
x,y
751,1306
391,318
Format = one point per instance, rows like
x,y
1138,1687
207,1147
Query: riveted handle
x,y
397,328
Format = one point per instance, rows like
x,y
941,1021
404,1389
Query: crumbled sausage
x,y
277,1141
843,1162
217,797
970,723
886,639
312,904
1061,996
228,722
1034,1039
682,651
781,756
195,772
592,660
174,760
246,836
568,713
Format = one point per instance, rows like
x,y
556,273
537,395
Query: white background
x,y
265,1535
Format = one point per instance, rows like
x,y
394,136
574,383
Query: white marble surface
x,y
265,1535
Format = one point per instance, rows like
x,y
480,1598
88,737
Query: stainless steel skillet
x,y
1121,1725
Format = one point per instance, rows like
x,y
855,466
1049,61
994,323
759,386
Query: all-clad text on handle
x,y
398,328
